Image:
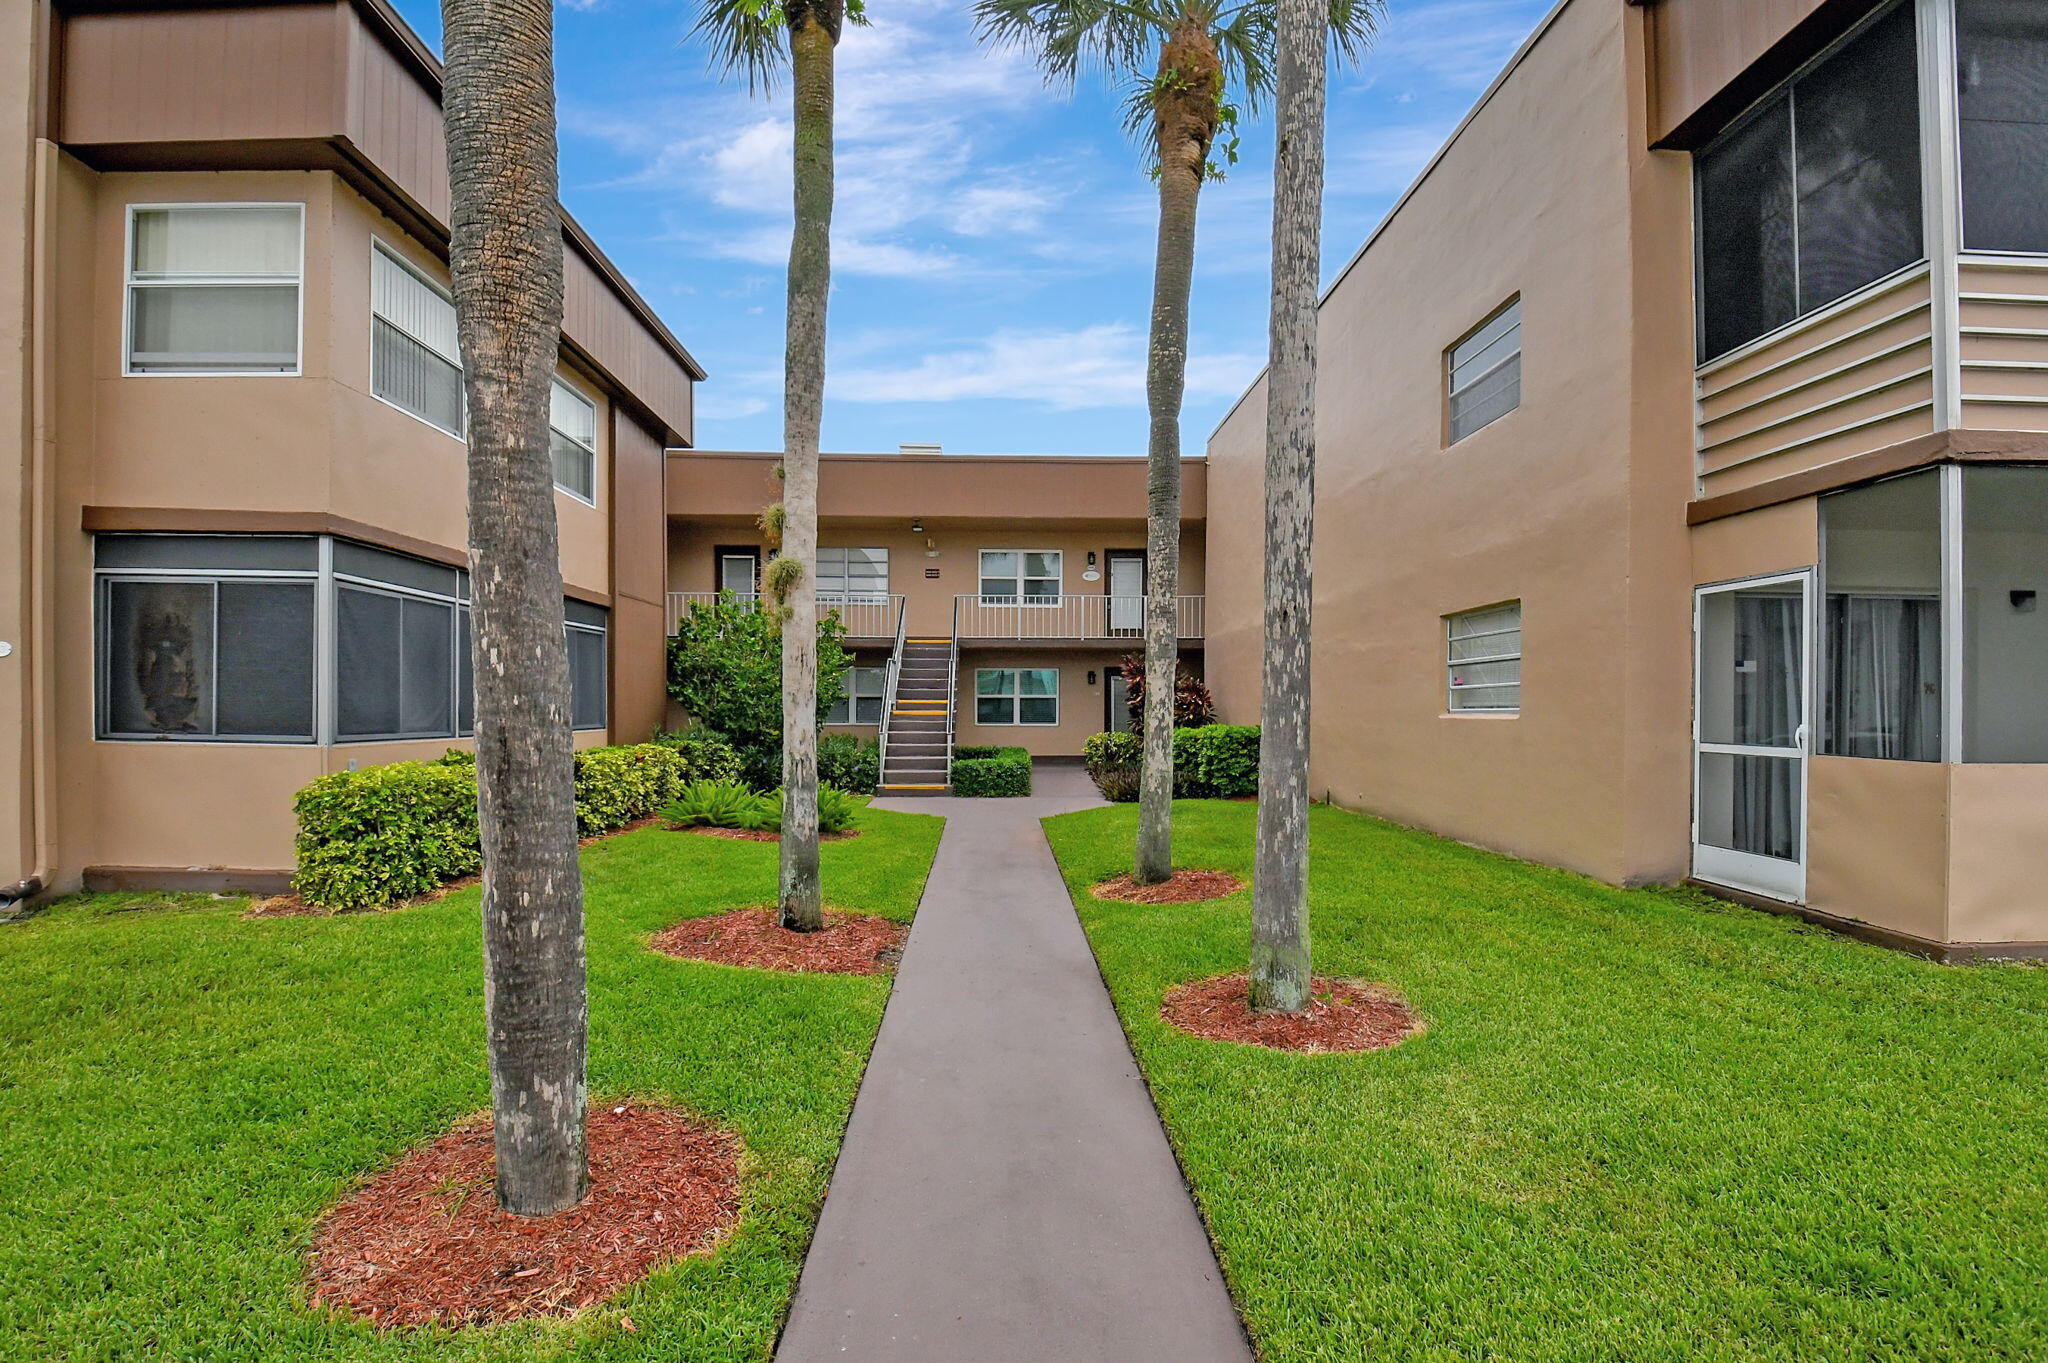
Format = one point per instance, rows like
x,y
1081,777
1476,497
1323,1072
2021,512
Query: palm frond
x,y
745,37
1353,26
1066,37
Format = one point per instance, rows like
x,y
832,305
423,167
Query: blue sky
x,y
992,246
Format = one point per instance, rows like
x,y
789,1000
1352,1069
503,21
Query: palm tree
x,y
756,38
1280,950
505,256
1185,62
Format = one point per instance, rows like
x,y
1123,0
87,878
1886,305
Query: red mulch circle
x,y
1342,1015
1184,887
761,835
425,1243
849,943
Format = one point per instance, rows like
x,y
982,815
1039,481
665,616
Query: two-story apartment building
x,y
1684,468
988,599
235,506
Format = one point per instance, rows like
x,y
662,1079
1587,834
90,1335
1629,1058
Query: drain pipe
x,y
18,891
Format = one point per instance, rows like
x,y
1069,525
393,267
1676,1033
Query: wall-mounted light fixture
x,y
917,527
1091,674
1091,558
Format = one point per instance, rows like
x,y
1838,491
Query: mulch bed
x,y
1184,887
425,1243
1342,1015
754,835
849,943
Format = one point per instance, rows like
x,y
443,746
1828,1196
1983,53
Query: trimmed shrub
x,y
1222,759
1115,762
728,804
991,772
373,837
707,756
849,762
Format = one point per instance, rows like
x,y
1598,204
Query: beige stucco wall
x,y
1877,838
1534,199
23,452
1998,860
1082,703
954,555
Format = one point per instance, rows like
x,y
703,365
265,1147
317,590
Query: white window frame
x,y
1021,598
847,597
1451,385
128,286
378,246
576,391
1015,695
1451,665
851,700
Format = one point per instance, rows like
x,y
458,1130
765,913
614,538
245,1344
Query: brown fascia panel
x,y
1943,447
183,520
1805,41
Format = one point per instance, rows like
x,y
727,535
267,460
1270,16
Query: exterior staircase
x,y
917,756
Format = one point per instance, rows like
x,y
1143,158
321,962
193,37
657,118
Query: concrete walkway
x,y
1005,1191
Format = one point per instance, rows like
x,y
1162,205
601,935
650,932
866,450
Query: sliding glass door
x,y
1750,734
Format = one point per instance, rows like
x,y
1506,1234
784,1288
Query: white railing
x,y
865,617
890,677
1090,616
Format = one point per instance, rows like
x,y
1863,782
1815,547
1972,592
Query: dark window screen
x,y
586,679
366,664
1748,282
1858,122
1817,194
465,676
159,651
266,659
427,660
2003,83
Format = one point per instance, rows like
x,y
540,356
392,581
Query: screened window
x,y
1486,373
1020,576
572,441
1881,673
1816,193
2003,92
1017,695
206,637
1484,658
862,703
586,626
853,574
415,364
214,289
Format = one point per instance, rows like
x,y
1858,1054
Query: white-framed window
x,y
296,639
415,362
1485,373
862,703
1483,658
572,441
213,288
853,575
1029,577
1017,695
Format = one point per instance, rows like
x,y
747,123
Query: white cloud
x,y
1457,43
1094,366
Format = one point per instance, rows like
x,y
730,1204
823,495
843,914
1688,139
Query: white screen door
x,y
1750,734
1126,593
736,573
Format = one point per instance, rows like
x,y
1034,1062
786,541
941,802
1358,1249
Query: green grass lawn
x,y
183,1092
1643,1125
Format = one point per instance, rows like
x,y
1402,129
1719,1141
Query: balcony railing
x,y
1086,617
865,617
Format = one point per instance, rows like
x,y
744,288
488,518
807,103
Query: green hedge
x,y
991,772
373,837
1210,761
849,762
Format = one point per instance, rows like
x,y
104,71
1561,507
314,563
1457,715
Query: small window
x,y
862,703
2003,92
853,575
1486,373
586,674
1484,658
1029,577
1017,695
415,364
214,289
572,440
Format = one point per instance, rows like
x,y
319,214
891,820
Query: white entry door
x,y
1126,594
1754,645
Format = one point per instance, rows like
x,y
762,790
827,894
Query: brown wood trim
x,y
190,879
1807,39
1943,447
180,520
1947,953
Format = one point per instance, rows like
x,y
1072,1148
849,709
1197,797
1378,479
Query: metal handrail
x,y
865,616
1080,616
890,679
952,698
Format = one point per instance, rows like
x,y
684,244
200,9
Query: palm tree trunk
x,y
1188,95
505,255
813,33
1280,946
